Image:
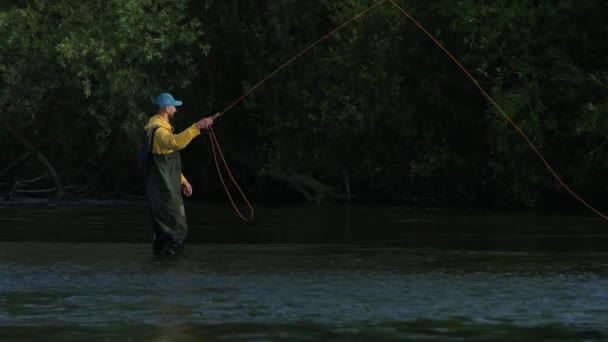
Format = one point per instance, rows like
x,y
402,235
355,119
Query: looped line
x,y
215,146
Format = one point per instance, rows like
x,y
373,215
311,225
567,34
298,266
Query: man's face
x,y
171,110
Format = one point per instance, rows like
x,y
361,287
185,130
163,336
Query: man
x,y
164,179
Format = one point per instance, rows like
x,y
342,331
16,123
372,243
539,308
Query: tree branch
x,y
50,168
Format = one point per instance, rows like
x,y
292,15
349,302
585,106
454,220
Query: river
x,y
82,272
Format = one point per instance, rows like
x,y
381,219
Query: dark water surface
x,y
334,273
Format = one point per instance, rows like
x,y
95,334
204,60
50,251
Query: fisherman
x,y
164,181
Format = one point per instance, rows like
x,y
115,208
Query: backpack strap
x,y
143,159
150,137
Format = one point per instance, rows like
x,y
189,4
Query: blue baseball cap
x,y
165,100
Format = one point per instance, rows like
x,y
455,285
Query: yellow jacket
x,y
165,141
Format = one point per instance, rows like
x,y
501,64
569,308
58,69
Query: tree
x,y
78,77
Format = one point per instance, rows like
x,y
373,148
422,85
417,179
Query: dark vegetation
x,y
375,114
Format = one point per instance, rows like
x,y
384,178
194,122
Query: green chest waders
x,y
163,188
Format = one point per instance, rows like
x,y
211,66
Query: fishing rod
x,y
291,60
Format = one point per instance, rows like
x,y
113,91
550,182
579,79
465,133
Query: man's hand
x,y
187,189
204,123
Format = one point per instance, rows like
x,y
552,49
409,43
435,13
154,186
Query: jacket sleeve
x,y
176,142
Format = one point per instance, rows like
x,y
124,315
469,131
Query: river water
x,y
303,273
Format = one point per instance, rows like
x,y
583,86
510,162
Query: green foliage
x,y
77,72
377,103
541,59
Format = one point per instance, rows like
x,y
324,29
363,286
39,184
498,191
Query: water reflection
x,y
445,229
